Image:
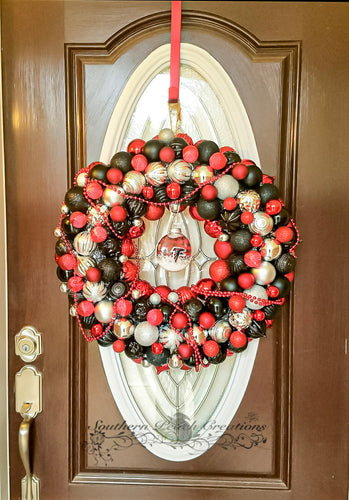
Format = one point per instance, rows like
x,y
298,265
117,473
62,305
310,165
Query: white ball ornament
x,y
260,293
173,297
104,311
264,274
155,299
227,187
81,179
133,182
84,244
113,197
166,135
146,334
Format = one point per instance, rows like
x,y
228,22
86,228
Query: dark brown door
x,y
289,63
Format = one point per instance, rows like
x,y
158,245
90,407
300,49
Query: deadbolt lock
x,y
28,344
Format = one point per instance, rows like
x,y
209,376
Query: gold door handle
x,y
28,404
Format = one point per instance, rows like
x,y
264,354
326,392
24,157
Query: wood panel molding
x,y
288,55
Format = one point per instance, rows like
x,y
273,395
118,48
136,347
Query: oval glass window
x,y
179,414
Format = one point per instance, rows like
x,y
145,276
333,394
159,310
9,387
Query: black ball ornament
x,y
122,227
140,309
110,270
208,209
99,172
272,311
216,306
232,157
122,161
232,348
110,247
286,263
151,149
187,188
64,275
229,284
256,330
207,149
117,290
134,350
107,339
160,194
240,240
282,218
230,220
68,229
283,285
136,208
60,247
166,310
254,176
268,192
75,200
236,264
88,321
157,359
194,308
178,144
220,357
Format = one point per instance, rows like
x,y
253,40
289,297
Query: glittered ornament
x,y
94,292
268,192
110,270
122,161
134,350
208,209
249,200
206,149
75,200
257,294
219,270
285,264
241,319
241,240
169,338
173,250
226,187
146,334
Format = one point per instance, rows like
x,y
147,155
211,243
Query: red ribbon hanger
x,y
176,20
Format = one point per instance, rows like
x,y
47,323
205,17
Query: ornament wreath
x,y
98,263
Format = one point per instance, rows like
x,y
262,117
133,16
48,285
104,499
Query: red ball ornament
x,y
273,292
96,330
144,288
135,146
179,320
173,190
211,348
284,234
273,207
85,308
167,154
163,291
94,190
256,240
206,284
224,149
247,217
185,351
238,339
253,258
195,214
93,274
139,162
136,231
99,234
185,293
155,317
119,345
75,283
217,161
290,276
222,249
66,262
130,270
190,154
237,303
209,192
78,219
148,192
154,212
114,175
157,348
259,315
239,171
229,203
247,162
123,307
127,247
246,280
267,179
118,213
206,320
212,228
186,137
219,270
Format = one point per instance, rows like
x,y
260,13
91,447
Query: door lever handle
x,y
28,404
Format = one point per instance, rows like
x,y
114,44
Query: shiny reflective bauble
x,y
114,196
98,172
151,149
123,328
166,135
140,309
110,270
170,338
84,244
264,274
229,284
179,171
104,311
199,334
194,308
155,299
254,176
262,224
256,330
283,285
146,334
202,174
173,297
226,187
64,287
249,200
220,332
258,292
133,182
156,173
84,263
175,362
166,310
94,292
216,306
117,290
241,319
97,214
72,311
173,251
271,249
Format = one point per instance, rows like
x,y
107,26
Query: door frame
x,y
4,427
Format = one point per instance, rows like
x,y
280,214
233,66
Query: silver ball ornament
x,y
249,200
264,274
175,362
113,196
241,319
155,299
64,288
72,311
84,244
271,249
145,363
202,173
166,135
199,334
258,292
98,214
84,263
123,328
123,258
156,173
173,297
227,187
262,224
133,182
224,237
179,171
220,332
81,179
94,292
104,311
146,334
57,232
136,294
64,209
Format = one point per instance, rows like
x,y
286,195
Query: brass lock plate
x,y
28,344
28,385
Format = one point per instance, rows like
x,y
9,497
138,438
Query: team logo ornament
x,y
193,326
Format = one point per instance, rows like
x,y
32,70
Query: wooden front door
x,y
289,64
